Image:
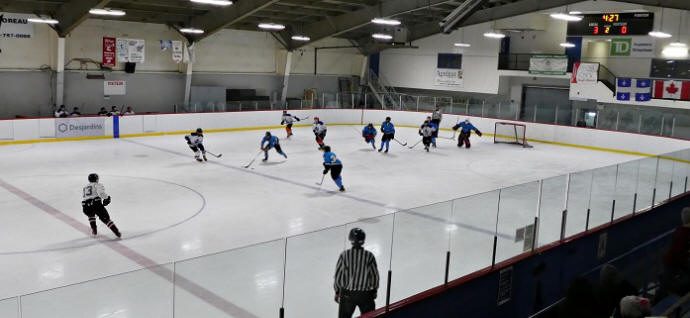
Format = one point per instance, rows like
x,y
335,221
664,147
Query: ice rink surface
x,y
170,208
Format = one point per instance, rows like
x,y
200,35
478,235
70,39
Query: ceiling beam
x,y
492,14
74,12
218,19
352,20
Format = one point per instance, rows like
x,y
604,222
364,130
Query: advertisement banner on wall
x,y
117,87
548,64
109,52
585,73
177,51
448,77
131,50
639,46
16,26
79,127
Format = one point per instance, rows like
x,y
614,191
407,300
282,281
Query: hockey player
x,y
269,141
436,117
334,165
388,130
287,120
466,129
319,131
427,133
431,123
369,134
94,201
195,141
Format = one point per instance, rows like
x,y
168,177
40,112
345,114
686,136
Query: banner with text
x,y
79,127
117,87
109,52
585,73
16,26
448,70
131,50
548,64
639,46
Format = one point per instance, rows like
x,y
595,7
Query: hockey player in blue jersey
x,y
433,125
269,141
466,129
369,134
388,130
334,165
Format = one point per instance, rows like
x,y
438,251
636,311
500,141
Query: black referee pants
x,y
349,300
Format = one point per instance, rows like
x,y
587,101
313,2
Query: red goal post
x,y
510,133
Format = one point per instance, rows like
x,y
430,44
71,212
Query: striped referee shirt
x,y
356,271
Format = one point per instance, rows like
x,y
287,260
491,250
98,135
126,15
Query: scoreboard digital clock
x,y
612,24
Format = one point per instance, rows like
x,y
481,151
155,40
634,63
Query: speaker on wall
x,y
130,67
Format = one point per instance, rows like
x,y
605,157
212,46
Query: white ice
x,y
171,208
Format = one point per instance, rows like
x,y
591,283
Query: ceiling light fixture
x,y
105,11
271,26
192,30
575,12
494,35
302,38
214,2
462,45
567,45
566,17
660,34
43,20
382,36
385,21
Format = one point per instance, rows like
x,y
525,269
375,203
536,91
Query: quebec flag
x,y
629,88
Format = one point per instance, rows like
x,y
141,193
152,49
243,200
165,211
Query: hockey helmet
x,y
93,177
268,133
199,131
467,120
357,236
316,118
388,119
326,148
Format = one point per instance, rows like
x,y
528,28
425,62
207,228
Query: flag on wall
x,y
672,89
639,90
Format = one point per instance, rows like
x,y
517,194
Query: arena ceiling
x,y
318,19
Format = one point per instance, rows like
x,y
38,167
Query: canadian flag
x,y
672,89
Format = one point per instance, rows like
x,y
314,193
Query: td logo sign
x,y
621,47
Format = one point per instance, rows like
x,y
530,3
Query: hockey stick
x,y
254,159
323,176
401,143
305,118
415,145
215,155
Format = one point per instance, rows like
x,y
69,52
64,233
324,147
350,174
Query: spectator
x,y
634,307
114,111
579,301
129,111
103,112
61,112
356,277
75,112
676,274
612,287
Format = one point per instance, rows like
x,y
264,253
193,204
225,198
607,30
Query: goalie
x,y
466,129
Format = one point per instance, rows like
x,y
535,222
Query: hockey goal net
x,y
510,133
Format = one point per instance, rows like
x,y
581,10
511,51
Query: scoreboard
x,y
612,24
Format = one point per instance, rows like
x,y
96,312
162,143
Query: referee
x,y
356,277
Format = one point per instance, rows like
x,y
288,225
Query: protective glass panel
x,y
579,191
9,308
420,243
243,282
626,183
426,103
601,200
646,183
472,228
663,178
515,227
475,109
680,172
551,209
142,293
508,110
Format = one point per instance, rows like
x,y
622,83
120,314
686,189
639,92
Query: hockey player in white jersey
x,y
319,132
94,201
288,120
195,141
